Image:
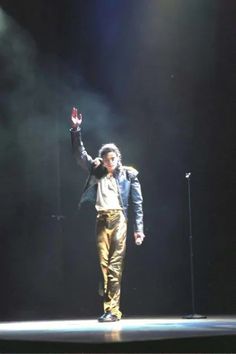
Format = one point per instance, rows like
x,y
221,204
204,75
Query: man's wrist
x,y
75,129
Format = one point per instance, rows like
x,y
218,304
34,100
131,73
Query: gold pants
x,y
111,243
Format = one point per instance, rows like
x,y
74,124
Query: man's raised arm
x,y
80,154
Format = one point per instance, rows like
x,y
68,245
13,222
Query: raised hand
x,y
76,118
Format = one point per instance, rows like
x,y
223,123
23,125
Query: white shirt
x,y
107,194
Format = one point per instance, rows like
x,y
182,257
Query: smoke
x,y
39,93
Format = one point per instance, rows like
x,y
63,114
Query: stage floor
x,y
135,330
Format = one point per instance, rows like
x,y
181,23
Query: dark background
x,y
157,77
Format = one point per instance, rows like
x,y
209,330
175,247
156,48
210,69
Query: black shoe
x,y
108,317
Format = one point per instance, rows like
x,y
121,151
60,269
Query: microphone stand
x,y
193,315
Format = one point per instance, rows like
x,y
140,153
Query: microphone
x,y
138,241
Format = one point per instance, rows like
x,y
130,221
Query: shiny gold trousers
x,y
111,243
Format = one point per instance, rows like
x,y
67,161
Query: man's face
x,y
110,161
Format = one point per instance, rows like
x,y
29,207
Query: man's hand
x,y
139,237
96,162
75,118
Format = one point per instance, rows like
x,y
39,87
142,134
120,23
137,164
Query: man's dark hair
x,y
106,148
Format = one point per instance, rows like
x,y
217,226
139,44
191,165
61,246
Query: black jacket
x,y
126,179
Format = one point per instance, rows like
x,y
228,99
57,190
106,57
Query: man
x,y
110,185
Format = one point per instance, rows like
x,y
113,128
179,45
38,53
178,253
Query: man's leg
x,y
103,244
111,232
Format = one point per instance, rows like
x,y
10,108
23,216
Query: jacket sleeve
x,y
80,154
137,202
